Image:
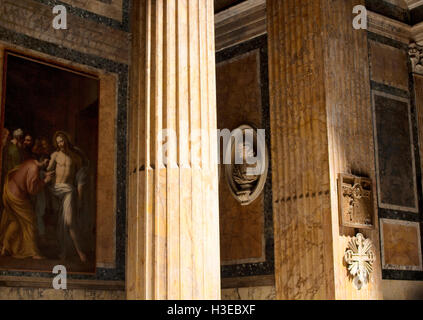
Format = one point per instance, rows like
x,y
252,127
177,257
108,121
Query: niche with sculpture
x,y
246,163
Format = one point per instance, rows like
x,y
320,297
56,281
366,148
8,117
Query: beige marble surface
x,y
418,91
252,293
350,135
402,290
388,65
401,245
173,212
51,294
300,176
111,10
321,125
34,19
106,172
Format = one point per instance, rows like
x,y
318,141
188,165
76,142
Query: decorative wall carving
x,y
246,181
355,201
415,53
360,258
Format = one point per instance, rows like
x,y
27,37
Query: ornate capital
x,y
360,258
415,53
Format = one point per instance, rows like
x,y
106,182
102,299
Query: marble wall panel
x,y
239,102
252,293
402,290
108,8
52,294
398,176
394,153
418,91
389,65
401,245
106,172
88,36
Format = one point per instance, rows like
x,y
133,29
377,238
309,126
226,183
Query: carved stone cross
x,y
360,258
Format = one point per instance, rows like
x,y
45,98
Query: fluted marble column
x,y
321,123
173,227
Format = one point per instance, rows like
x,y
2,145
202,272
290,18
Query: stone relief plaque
x,y
246,163
355,201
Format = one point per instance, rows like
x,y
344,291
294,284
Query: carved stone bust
x,y
246,164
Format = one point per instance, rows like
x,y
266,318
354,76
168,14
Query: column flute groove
x,y
175,214
320,114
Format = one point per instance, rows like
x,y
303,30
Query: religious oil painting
x,y
48,167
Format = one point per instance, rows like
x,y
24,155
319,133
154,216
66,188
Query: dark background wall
x,y
42,99
246,232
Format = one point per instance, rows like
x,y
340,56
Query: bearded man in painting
x,y
18,225
14,154
71,176
27,145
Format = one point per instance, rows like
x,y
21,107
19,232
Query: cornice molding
x,y
394,29
248,20
412,4
412,36
417,33
240,23
389,28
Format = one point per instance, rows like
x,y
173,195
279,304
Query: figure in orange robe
x,y
18,224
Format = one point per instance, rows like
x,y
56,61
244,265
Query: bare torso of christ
x,y
65,169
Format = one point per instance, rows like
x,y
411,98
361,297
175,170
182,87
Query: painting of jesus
x,y
48,167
